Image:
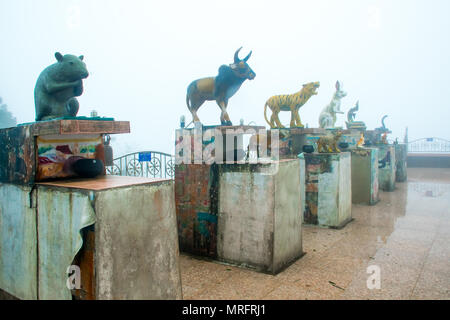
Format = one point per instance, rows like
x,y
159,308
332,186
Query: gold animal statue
x,y
329,144
384,138
361,142
289,102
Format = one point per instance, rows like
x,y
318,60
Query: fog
x,y
392,56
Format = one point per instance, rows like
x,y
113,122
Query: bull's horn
x,y
236,55
248,56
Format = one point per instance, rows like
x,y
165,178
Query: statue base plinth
x,y
365,176
87,223
386,160
356,125
226,212
328,189
401,156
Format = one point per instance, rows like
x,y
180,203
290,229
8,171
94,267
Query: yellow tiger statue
x,y
289,102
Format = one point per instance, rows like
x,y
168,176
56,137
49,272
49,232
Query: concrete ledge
x,y
428,160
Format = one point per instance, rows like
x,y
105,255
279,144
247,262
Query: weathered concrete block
x,y
244,214
17,155
120,232
18,242
140,258
328,189
365,176
62,214
401,156
386,174
260,215
196,198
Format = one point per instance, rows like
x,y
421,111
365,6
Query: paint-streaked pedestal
x,y
328,189
401,156
244,214
386,173
120,232
24,158
365,176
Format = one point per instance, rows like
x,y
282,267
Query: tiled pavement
x,y
406,235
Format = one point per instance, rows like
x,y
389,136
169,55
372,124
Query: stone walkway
x,y
406,236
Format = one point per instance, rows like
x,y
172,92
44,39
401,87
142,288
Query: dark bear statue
x,y
57,87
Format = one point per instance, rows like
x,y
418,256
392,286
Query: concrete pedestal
x,y
401,156
18,242
38,151
386,173
365,176
244,214
328,189
115,235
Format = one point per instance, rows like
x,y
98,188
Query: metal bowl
x,y
88,168
308,148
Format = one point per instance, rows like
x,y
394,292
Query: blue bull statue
x,y
219,88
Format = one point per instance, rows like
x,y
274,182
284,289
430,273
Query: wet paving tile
x,y
405,236
397,254
243,284
198,275
432,284
287,292
396,281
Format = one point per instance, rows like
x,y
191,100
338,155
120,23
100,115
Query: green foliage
x,y
7,120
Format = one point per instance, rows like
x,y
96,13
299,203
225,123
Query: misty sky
x,y
391,55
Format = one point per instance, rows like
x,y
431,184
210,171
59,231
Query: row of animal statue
x,y
59,84
230,78
293,103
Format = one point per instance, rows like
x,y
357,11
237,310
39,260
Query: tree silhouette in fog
x,y
7,119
